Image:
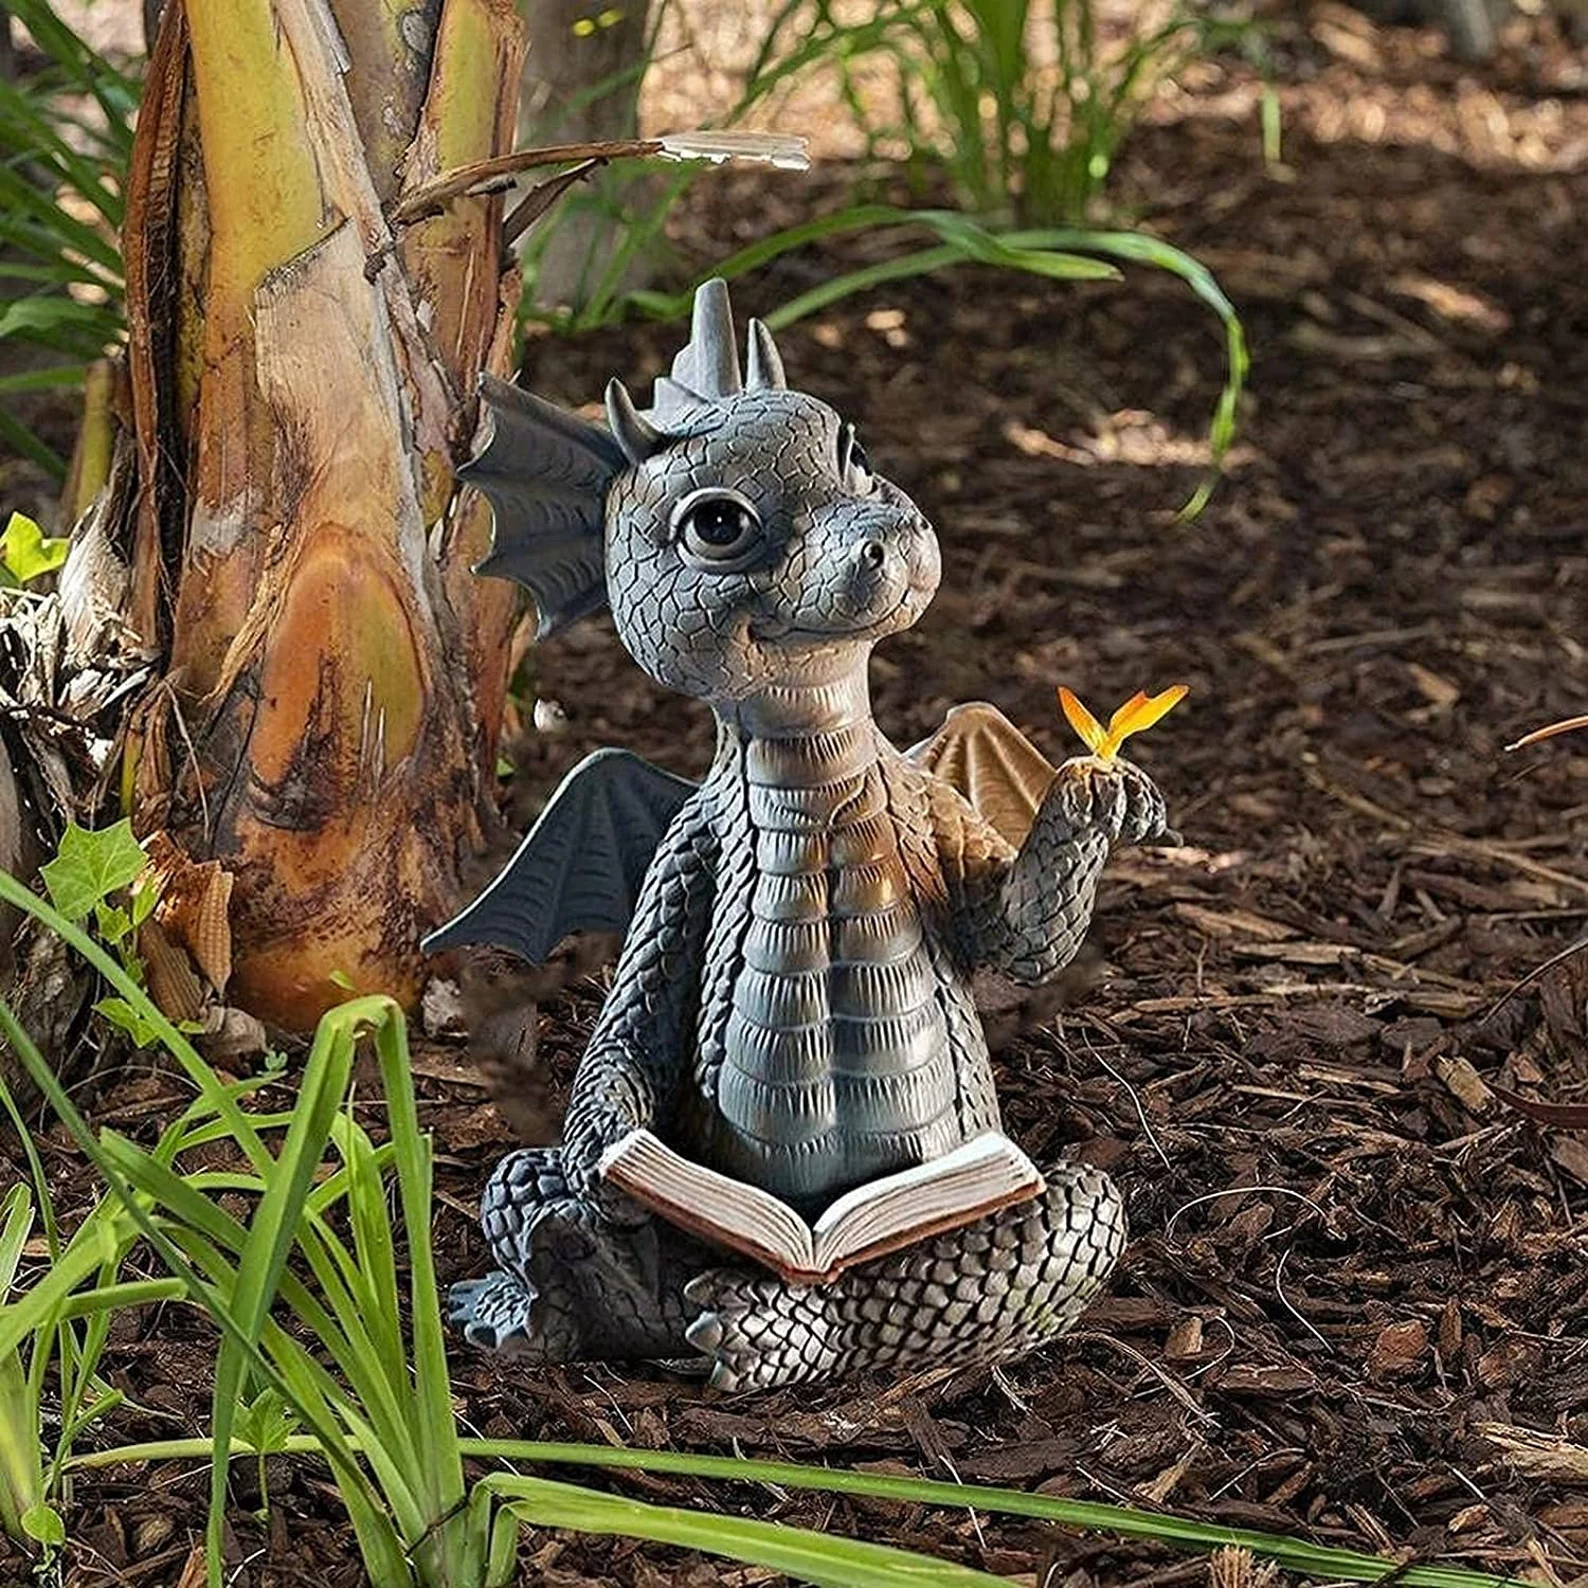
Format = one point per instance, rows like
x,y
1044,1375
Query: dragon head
x,y
736,529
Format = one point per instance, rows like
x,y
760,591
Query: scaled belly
x,y
838,1064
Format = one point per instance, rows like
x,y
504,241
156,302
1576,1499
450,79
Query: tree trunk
x,y
582,85
302,380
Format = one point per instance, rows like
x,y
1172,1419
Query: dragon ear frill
x,y
545,473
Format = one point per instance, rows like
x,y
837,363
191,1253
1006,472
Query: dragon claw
x,y
705,1333
1117,797
491,1313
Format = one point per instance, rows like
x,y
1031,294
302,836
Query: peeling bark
x,y
301,378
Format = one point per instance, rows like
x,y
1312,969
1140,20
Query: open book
x,y
978,1177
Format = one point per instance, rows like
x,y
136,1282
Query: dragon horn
x,y
709,364
638,437
764,364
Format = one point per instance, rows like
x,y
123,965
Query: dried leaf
x,y
1473,1092
195,899
1556,1116
173,985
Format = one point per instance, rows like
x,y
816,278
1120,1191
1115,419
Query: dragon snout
x,y
861,579
900,557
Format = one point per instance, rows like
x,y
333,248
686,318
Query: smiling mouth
x,y
877,627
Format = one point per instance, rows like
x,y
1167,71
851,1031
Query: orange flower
x,y
1139,712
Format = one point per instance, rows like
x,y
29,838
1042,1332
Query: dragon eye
x,y
716,525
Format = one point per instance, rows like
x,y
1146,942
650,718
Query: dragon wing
x,y
980,752
580,866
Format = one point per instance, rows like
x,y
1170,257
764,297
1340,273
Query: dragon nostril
x,y
873,553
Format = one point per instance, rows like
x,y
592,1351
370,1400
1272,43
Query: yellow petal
x,y
1119,723
1085,724
1138,713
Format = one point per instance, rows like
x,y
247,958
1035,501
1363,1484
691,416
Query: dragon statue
x,y
792,1006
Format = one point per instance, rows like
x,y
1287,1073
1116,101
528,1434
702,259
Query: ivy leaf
x,y
145,895
90,866
112,924
266,1423
26,551
124,1017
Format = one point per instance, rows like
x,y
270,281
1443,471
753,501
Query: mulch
x,y
1312,1040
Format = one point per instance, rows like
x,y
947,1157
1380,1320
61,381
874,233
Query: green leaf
x,y
90,866
111,923
798,1552
26,551
266,1422
145,895
45,312
43,1523
124,1017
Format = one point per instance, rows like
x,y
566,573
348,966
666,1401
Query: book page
x,y
711,1205
981,1175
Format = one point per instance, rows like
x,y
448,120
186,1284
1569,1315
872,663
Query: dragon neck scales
x,y
835,1060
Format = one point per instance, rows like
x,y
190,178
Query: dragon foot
x,y
571,1286
501,1313
992,1290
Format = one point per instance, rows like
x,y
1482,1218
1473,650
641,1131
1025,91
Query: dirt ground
x,y
1302,1040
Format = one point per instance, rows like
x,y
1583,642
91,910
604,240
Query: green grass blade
x,y
438,1423
804,1555
208,1286
1293,1553
49,378
41,1304
1066,267
106,1299
271,1234
208,1085
370,1271
21,1449
16,1222
1139,248
82,67
22,441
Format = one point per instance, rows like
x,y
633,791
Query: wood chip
x,y
1537,1455
1233,923
1571,1157
1185,1339
1399,1349
1278,1380
172,983
194,907
1464,1082
1439,692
